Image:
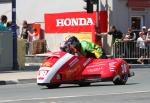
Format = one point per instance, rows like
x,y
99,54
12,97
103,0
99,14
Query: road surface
x,y
137,90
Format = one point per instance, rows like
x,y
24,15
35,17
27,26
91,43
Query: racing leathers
x,y
90,47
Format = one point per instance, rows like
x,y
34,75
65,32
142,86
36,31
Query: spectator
x,y
144,30
148,36
129,39
24,35
25,28
9,26
130,36
115,33
3,23
142,47
116,36
34,36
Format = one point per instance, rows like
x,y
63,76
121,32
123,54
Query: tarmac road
x,y
137,90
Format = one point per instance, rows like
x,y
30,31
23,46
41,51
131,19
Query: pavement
x,y
18,77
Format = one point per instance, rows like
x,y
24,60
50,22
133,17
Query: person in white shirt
x,y
32,37
142,47
144,30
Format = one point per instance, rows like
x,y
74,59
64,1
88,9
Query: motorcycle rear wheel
x,y
122,80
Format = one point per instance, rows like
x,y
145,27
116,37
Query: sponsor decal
x,y
73,62
95,69
112,66
43,73
47,64
74,22
56,54
41,78
86,62
69,22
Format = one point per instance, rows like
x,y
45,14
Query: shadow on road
x,y
132,83
92,85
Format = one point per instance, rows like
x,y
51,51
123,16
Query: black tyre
x,y
122,80
83,84
51,86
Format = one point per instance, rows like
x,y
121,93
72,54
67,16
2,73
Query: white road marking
x,y
76,96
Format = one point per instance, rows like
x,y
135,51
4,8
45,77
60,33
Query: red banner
x,y
103,21
139,3
73,22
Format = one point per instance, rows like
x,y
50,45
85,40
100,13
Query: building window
x,y
136,22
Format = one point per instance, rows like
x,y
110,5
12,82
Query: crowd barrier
x,y
130,50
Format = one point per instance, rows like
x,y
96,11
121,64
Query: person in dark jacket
x,y
115,33
117,36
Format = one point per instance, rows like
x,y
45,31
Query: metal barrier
x,y
129,50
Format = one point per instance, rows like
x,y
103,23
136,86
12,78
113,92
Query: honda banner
x,y
69,22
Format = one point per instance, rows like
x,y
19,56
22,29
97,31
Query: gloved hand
x,y
97,54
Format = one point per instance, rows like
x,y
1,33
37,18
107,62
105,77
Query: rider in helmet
x,y
85,48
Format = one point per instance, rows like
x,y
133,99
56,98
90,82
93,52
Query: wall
x,y
145,14
33,11
148,21
6,54
120,14
5,9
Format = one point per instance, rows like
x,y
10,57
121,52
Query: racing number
x,y
43,73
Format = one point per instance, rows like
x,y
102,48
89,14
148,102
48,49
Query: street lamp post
x,y
15,63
